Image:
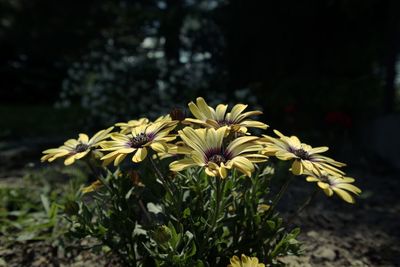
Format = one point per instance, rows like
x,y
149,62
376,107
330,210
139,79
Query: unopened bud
x,y
261,208
177,114
71,208
135,178
162,234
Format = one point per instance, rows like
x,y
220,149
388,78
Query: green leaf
x,y
199,263
271,225
154,208
139,230
45,202
186,213
192,251
25,236
128,195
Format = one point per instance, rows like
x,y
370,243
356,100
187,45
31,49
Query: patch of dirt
x,y
365,234
42,254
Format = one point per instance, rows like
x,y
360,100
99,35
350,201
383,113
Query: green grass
x,y
31,207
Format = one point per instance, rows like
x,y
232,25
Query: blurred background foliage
x,y
327,61
325,70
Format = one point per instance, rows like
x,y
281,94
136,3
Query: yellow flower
x,y
335,184
245,261
74,149
126,127
154,135
170,150
206,148
92,187
305,157
165,118
261,208
235,120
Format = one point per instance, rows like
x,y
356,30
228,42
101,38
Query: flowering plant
x,y
193,191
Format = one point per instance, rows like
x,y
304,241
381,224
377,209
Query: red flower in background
x,y
290,108
339,118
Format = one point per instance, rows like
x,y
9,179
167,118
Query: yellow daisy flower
x,y
235,120
74,149
154,135
164,118
245,261
126,127
171,150
206,148
335,184
305,157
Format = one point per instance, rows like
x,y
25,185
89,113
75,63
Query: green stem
x,y
277,198
97,175
176,201
142,207
219,190
161,177
133,253
303,206
281,192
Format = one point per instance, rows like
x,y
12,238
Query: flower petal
x,y
344,195
297,167
181,164
140,155
83,138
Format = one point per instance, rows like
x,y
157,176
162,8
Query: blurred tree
x,y
329,55
39,39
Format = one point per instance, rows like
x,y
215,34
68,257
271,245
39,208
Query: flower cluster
x,y
217,141
307,160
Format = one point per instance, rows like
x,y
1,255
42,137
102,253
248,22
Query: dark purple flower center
x,y
217,159
325,179
301,153
224,122
81,148
139,140
217,156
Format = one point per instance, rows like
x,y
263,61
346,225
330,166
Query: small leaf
x,y
45,202
199,263
186,213
25,236
128,195
271,225
154,208
139,230
192,251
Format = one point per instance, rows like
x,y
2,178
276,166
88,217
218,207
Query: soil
x,y
334,233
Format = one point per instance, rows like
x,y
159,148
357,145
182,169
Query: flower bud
x,y
135,178
177,114
162,234
71,208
